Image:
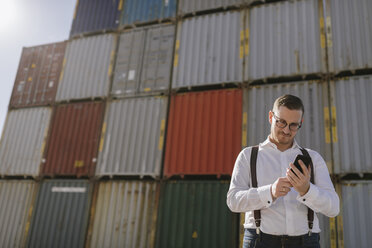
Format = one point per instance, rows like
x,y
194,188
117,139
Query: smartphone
x,y
305,159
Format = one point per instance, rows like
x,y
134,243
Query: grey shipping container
x,y
124,215
23,141
192,6
315,131
144,60
286,39
209,50
87,68
194,214
349,34
356,214
16,197
60,215
351,118
132,137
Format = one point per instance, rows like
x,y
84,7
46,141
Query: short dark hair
x,y
289,101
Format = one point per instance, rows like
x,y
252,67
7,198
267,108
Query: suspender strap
x,y
310,212
257,213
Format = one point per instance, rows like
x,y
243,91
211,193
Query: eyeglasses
x,y
282,124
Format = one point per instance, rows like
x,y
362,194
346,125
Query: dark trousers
x,y
263,240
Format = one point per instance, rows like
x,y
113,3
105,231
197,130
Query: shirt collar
x,y
267,142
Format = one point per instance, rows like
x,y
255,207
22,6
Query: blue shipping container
x,y
141,11
96,15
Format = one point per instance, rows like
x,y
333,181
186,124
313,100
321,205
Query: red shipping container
x,y
38,75
204,133
73,141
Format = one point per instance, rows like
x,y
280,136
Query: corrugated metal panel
x,y
204,133
125,215
194,214
61,212
285,40
352,135
96,15
314,133
142,11
87,68
349,42
192,6
132,137
15,201
73,142
38,75
325,235
144,60
356,214
208,50
23,141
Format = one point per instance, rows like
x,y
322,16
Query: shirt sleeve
x,y
241,197
321,196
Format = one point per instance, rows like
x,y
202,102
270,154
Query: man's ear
x,y
271,114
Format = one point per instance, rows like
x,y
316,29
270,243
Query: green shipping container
x,y
194,214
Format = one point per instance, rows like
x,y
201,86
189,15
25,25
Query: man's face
x,y
284,136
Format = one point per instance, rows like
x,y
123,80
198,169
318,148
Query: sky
x,y
25,23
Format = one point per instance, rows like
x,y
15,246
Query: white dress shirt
x,y
286,215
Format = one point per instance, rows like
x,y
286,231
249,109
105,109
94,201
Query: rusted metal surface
x,y
204,133
38,75
73,141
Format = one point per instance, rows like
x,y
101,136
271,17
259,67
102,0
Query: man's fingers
x,y
304,168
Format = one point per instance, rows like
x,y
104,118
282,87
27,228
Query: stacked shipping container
x,y
109,118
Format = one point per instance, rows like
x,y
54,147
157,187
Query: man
x,y
282,196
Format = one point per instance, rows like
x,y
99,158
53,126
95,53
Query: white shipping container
x,y
350,37
351,119
125,215
286,40
87,68
16,197
208,50
23,141
132,137
259,100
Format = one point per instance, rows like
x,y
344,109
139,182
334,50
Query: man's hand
x,y
280,187
300,182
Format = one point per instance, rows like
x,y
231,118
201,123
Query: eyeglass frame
x,y
278,119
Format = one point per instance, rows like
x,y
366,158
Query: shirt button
x,y
304,199
268,202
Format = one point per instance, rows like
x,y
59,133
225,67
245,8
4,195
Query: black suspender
x,y
257,213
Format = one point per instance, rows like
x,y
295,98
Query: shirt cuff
x,y
264,193
311,194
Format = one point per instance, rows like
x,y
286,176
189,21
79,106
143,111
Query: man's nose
x,y
286,130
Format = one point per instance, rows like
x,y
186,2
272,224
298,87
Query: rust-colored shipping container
x,y
204,133
38,75
73,140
